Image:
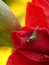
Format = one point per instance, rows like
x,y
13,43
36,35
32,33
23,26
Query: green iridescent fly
x,y
33,36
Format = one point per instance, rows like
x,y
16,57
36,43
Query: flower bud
x,y
8,22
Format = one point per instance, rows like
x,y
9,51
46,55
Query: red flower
x,y
32,41
44,3
37,13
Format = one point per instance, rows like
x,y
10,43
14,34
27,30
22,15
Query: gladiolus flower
x,y
32,41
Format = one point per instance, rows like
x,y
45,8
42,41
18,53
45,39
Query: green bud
x,y
8,22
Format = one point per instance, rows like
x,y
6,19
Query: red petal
x,y
36,15
17,40
18,59
41,44
44,3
